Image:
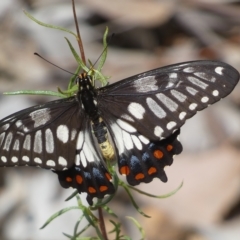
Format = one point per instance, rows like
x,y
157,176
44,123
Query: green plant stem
x,y
102,223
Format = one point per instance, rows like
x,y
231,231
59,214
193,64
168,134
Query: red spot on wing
x,y
108,176
152,170
79,179
169,147
103,188
92,190
158,154
68,179
124,170
139,176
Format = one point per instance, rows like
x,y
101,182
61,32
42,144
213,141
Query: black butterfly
x,y
136,121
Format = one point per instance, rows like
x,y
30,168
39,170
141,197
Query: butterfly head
x,y
84,82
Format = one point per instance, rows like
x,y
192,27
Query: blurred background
x,y
148,34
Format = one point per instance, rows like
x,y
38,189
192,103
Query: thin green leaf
x,y
57,214
38,92
104,54
48,25
72,195
109,211
132,199
77,58
116,229
101,78
83,230
157,196
77,225
73,78
67,235
137,224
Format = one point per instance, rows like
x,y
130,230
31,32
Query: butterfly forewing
x,y
43,135
158,102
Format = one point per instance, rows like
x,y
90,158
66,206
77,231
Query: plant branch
x,y
102,223
79,39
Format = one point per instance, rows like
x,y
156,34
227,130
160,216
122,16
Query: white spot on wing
x,y
215,93
40,117
204,99
63,133
158,131
178,95
172,75
50,163
80,140
73,134
127,117
219,70
145,84
16,145
171,125
5,127
119,140
8,141
126,126
192,91
155,108
197,82
205,76
27,142
137,142
188,69
37,147
88,151
18,123
169,103
14,159
144,139
25,158
62,161
182,115
192,106
77,159
83,159
2,135
37,160
4,159
49,141
136,109
127,140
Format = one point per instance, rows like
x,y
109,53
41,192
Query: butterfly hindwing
x,y
89,173
159,101
149,163
140,158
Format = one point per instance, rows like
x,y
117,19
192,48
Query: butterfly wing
x,y
56,135
89,173
139,158
43,135
158,102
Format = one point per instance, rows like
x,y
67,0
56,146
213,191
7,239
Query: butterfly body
x,y
141,115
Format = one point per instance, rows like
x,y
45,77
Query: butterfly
x,y
135,121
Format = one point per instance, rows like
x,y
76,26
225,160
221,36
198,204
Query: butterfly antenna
x,y
54,64
102,51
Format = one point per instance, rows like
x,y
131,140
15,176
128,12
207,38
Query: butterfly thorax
x,y
87,96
